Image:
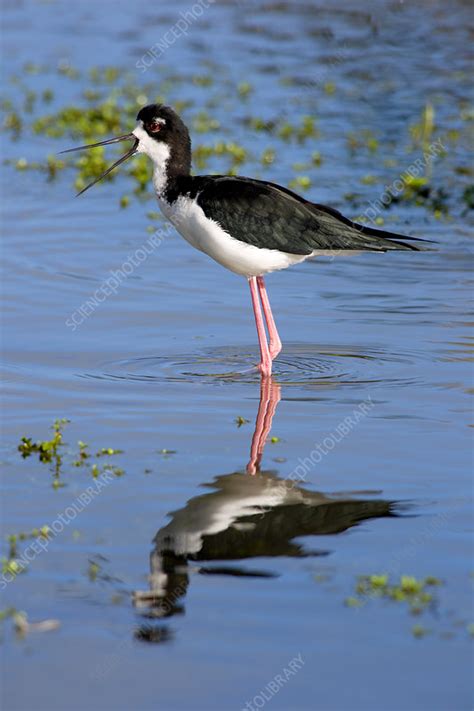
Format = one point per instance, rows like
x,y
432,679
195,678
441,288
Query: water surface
x,y
195,578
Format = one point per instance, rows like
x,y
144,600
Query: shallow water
x,y
203,607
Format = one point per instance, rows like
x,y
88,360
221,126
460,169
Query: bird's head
x,y
164,138
161,135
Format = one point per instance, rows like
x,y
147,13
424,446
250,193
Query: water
x,y
203,607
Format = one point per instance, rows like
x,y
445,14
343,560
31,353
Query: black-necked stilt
x,y
252,227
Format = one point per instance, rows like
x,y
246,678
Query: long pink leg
x,y
275,342
265,366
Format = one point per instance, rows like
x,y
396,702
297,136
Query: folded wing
x,y
267,215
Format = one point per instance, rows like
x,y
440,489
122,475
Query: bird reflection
x,y
247,515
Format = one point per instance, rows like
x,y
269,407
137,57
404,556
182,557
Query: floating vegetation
x,y
268,156
202,80
369,179
166,452
14,538
203,123
422,132
112,95
244,89
232,150
301,181
307,129
53,452
362,140
10,564
50,167
49,451
418,191
239,421
416,594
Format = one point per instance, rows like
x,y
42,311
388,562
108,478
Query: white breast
x,y
209,237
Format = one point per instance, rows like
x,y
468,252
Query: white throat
x,y
158,152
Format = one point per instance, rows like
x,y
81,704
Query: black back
x,y
267,215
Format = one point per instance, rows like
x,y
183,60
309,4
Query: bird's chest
x,y
191,222
209,237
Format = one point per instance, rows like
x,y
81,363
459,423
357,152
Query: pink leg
x,y
275,342
269,399
265,358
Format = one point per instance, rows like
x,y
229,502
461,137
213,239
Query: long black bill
x,y
128,154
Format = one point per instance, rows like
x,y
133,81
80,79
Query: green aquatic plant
x,y
166,452
93,570
418,191
48,451
108,451
362,140
416,593
13,123
10,564
422,131
231,150
14,538
259,124
108,103
268,156
239,421
301,181
202,80
204,123
316,158
419,631
53,452
369,179
51,167
244,89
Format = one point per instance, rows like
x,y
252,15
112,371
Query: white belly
x,y
209,237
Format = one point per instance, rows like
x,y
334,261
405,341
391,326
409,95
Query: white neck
x,y
160,179
159,153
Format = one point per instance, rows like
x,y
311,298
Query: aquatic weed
x,y
53,452
416,593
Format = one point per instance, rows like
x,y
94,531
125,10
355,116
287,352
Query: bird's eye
x,y
155,126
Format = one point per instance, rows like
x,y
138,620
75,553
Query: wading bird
x,y
251,227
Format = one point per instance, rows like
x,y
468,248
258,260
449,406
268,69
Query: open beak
x,y
128,154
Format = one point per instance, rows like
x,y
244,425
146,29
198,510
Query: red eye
x,y
155,126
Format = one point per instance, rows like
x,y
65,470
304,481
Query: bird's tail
x,y
382,240
344,234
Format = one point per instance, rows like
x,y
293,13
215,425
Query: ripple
x,y
298,364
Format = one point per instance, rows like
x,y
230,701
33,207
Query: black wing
x,y
267,215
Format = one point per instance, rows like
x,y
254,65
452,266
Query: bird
x,y
252,227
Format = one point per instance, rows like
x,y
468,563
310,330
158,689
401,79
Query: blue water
x,y
253,572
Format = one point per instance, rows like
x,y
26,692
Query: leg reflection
x,y
270,395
